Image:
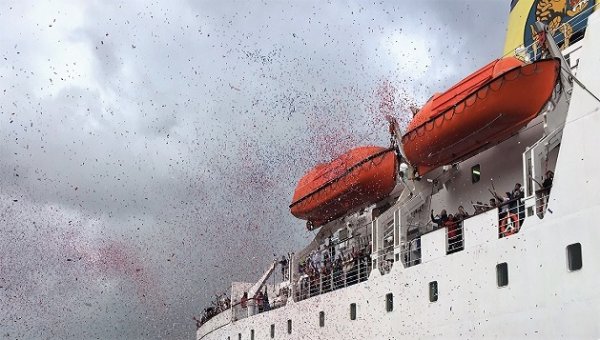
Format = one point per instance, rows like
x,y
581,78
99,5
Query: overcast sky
x,y
149,150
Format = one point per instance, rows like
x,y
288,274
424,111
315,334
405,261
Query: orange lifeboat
x,y
361,176
482,110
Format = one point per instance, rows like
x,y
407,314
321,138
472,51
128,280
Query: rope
x,y
584,88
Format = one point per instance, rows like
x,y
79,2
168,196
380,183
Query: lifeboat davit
x,y
482,110
361,176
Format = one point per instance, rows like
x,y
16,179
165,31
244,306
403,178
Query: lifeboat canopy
x,y
361,176
480,111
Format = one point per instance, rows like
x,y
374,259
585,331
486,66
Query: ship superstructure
x,y
516,259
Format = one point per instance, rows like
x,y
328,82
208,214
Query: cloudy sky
x,y
149,150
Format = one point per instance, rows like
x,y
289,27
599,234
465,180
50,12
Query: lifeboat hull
x,y
361,176
481,111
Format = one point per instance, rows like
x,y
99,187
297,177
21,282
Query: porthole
x,y
574,258
433,291
502,274
389,302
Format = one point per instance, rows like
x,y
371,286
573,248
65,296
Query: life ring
x,y
509,225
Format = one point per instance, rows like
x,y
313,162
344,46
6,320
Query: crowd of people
x,y
331,268
511,203
218,305
453,223
260,303
246,305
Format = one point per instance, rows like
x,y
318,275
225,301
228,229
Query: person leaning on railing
x,y
259,301
462,214
338,274
547,184
244,300
440,219
199,322
284,267
518,206
543,193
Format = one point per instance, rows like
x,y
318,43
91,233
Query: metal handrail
x,y
511,217
410,253
239,310
337,278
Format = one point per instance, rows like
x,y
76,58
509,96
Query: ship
x,y
478,220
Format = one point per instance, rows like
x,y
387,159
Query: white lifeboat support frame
x,y
412,198
554,121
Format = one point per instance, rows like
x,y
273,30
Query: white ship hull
x,y
543,299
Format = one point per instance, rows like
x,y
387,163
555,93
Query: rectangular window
x,y
289,326
321,319
502,274
273,331
251,334
574,258
475,173
389,302
353,311
239,336
433,291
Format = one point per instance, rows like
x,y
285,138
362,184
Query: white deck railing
x,y
356,271
499,222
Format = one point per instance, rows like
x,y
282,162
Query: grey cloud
x,y
171,134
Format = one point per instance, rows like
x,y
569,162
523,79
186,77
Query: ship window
x,y
502,274
353,311
475,173
321,319
433,291
389,302
289,326
272,331
239,336
251,334
574,258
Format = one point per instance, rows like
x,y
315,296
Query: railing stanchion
x,y
331,280
320,284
